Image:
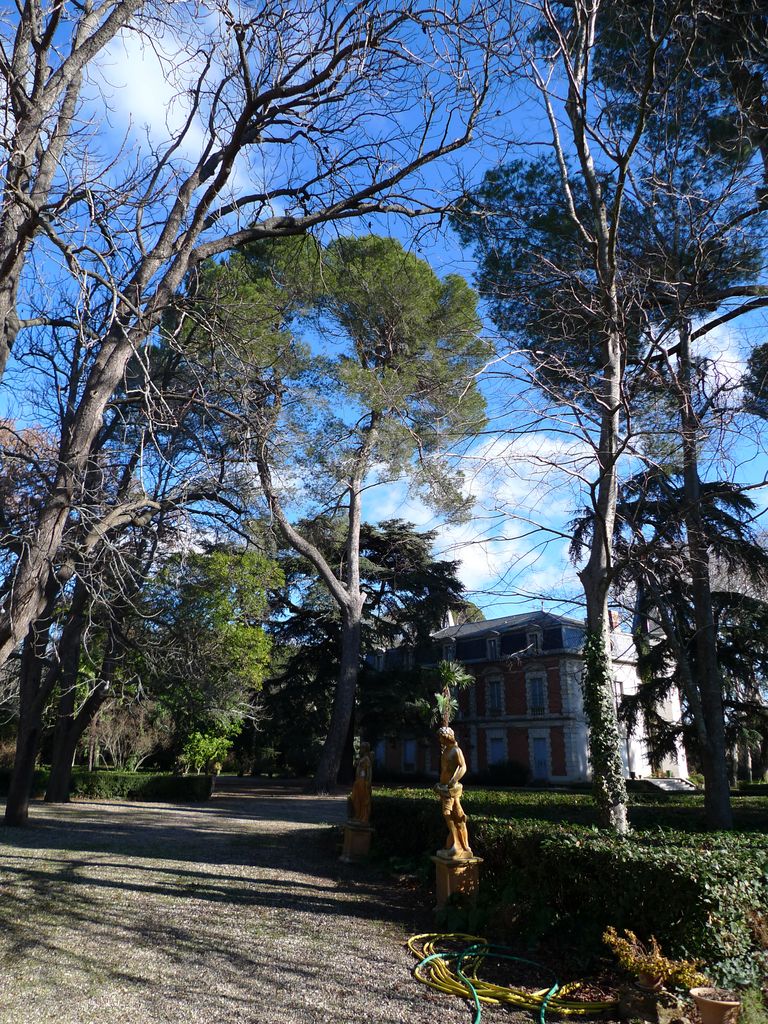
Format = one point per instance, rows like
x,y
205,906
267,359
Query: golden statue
x,y
359,800
453,767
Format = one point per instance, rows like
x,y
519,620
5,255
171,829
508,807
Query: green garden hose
x,y
434,969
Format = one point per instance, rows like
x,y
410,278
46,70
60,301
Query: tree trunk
x,y
71,731
760,760
343,701
714,753
31,706
20,789
346,774
608,783
70,726
600,236
57,790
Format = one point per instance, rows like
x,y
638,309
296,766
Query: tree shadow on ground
x,y
211,854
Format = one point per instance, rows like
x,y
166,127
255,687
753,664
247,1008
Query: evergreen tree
x,y
408,593
654,564
348,366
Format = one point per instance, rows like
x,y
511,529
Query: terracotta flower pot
x,y
648,982
716,1006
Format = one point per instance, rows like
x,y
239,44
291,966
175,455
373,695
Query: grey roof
x,y
505,624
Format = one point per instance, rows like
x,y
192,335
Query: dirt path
x,y
233,911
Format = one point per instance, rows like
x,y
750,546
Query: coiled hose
x,y
434,969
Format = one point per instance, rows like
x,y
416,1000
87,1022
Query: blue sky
x,y
528,472
527,475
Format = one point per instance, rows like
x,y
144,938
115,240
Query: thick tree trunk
x,y
20,789
32,700
714,753
71,731
343,701
57,790
346,775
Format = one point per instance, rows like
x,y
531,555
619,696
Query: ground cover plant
x,y
550,875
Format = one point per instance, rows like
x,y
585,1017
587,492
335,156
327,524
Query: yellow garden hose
x,y
468,953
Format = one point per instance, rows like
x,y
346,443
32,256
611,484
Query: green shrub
x,y
753,1007
703,895
408,822
39,782
204,750
109,785
112,785
752,789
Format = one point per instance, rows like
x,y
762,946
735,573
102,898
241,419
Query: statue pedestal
x,y
357,841
457,876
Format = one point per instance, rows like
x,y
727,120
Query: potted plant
x,y
652,969
716,1005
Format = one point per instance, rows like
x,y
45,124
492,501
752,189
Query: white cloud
x,y
148,84
725,349
510,553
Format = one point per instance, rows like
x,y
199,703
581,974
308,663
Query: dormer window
x,y
534,638
492,647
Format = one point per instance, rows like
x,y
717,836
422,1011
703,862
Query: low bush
x,y
703,895
39,782
111,785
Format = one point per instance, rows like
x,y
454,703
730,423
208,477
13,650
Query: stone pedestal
x,y
457,876
357,841
637,1004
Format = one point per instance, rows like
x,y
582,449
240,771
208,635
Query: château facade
x,y
526,704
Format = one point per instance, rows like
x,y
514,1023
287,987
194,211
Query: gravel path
x,y
233,911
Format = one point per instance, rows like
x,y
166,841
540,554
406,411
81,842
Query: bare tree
x,y
611,258
589,163
329,108
162,455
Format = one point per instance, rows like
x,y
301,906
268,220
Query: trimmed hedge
x,y
111,785
39,782
703,895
